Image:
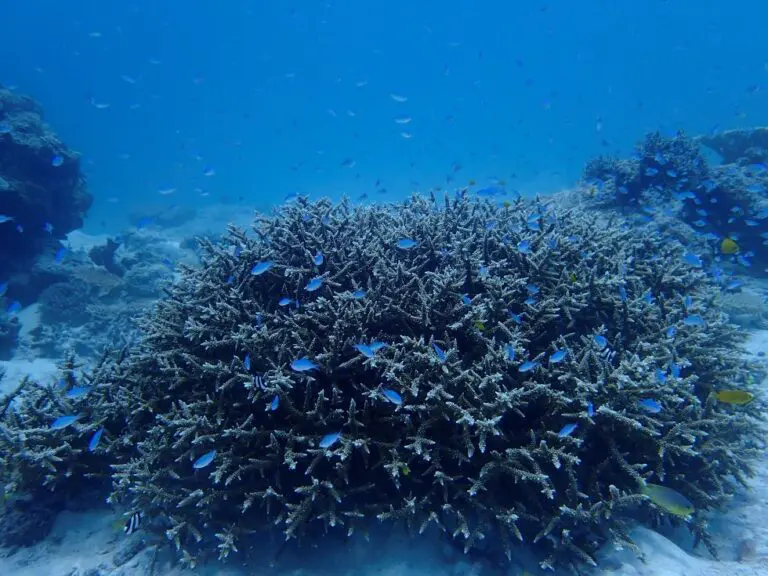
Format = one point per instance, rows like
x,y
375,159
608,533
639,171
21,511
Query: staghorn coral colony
x,y
503,373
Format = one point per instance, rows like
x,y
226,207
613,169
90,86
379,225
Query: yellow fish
x,y
472,182
507,203
573,277
669,500
738,397
728,246
405,470
480,325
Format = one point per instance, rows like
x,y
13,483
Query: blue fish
x,y
694,320
509,350
285,301
558,356
376,345
524,247
318,259
661,376
204,460
590,409
304,365
567,430
600,340
650,405
330,439
674,368
63,422
14,307
466,299
406,243
528,366
439,352
532,289
314,284
671,332
247,362
5,128
59,256
365,350
359,294
622,293
230,279
78,392
260,267
392,396
57,161
692,260
275,403
95,439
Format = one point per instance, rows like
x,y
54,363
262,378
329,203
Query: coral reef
x,y
500,373
669,176
42,187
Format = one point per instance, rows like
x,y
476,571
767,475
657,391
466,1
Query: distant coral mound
x,y
41,186
504,374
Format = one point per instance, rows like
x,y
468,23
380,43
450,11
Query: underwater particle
x,y
63,421
260,267
318,259
692,260
365,350
694,320
329,439
406,243
729,246
133,523
600,340
303,365
314,284
78,392
57,161
247,362
95,439
567,430
439,352
204,460
650,405
558,356
669,500
275,404
392,396
524,247
736,397
528,366
359,294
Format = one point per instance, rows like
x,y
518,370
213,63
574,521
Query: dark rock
x,y
46,199
105,256
26,522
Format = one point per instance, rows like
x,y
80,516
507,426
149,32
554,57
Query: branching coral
x,y
455,418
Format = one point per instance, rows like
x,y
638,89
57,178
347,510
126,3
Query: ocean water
x,y
191,115
277,98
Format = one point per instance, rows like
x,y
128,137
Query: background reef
x,y
455,344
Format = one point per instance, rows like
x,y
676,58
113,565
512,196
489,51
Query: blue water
x,y
270,94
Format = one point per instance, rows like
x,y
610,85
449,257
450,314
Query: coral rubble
x,y
42,186
484,369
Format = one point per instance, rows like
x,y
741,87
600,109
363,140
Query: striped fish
x,y
133,523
